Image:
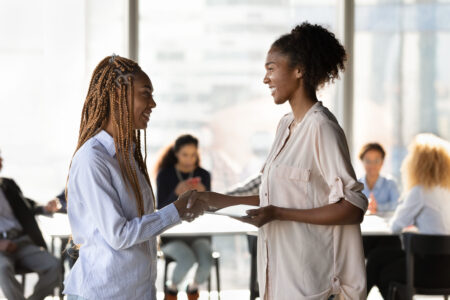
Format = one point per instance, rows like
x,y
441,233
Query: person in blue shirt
x,y
381,191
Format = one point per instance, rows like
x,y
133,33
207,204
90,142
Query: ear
x,y
298,73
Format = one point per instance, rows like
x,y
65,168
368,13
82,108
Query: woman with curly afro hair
x,y
311,205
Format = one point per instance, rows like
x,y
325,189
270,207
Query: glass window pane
x,y
401,85
48,51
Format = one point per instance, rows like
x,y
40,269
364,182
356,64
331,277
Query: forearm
x,y
340,213
219,201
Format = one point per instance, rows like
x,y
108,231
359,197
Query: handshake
x,y
192,204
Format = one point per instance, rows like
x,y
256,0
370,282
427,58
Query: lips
x,y
146,116
272,90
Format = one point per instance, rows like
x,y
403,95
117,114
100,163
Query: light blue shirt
x,y
427,209
117,259
385,192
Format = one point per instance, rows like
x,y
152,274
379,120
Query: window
x,y
48,51
401,85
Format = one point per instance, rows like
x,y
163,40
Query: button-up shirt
x,y
306,261
385,192
117,258
7,219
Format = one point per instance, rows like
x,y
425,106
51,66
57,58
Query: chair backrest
x,y
426,244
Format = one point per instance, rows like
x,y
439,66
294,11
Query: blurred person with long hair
x,y
425,207
179,171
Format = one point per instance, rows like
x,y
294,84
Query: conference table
x,y
207,225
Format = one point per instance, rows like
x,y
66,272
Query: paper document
x,y
235,211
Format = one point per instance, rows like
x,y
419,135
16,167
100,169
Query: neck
x,y
109,128
301,102
371,180
184,169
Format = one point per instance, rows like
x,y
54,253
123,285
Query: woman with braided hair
x,y
109,196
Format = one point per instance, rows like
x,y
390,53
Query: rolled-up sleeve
x,y
94,187
333,159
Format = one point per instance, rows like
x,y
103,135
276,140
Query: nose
x,y
266,79
152,103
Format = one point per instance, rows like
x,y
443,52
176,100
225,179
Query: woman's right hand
x,y
189,211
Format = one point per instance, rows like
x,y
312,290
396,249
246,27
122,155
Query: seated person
x,y
381,191
426,174
179,171
22,244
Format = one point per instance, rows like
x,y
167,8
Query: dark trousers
x,y
385,265
373,242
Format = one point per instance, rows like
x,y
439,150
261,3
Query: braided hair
x,y
110,96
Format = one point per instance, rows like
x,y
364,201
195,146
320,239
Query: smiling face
x,y
143,100
282,79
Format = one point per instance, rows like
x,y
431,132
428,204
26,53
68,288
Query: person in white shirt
x,y
110,201
309,241
425,208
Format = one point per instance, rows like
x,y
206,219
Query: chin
x,y
279,101
140,126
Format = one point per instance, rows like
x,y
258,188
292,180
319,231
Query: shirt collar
x,y
317,107
107,141
376,186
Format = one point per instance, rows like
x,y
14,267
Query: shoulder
x,y
389,180
8,183
91,155
6,180
165,172
324,126
415,194
202,172
323,118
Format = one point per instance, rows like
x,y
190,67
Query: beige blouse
x,y
305,261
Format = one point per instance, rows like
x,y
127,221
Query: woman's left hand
x,y
260,216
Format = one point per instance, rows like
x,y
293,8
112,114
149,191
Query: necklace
x,y
180,178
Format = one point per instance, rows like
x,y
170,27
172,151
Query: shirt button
x,y
265,194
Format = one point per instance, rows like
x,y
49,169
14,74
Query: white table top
x,y
208,224
375,225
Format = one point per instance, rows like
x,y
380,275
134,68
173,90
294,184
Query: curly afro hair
x,y
316,51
